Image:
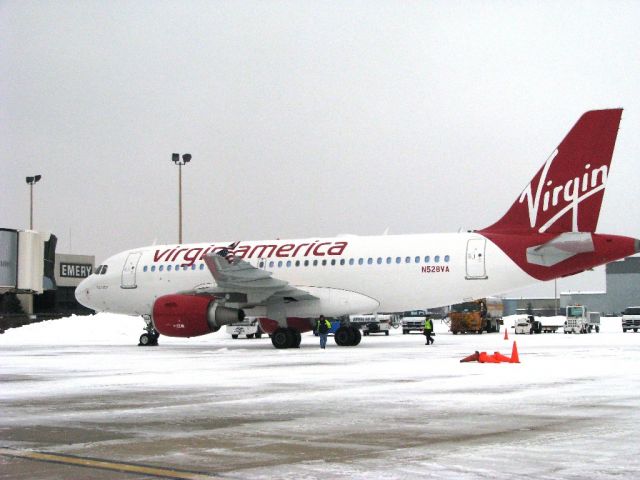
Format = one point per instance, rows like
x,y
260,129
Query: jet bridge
x,y
27,261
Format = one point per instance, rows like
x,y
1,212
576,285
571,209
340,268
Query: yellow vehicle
x,y
480,315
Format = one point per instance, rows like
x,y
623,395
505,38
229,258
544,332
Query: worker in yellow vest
x,y
323,326
428,330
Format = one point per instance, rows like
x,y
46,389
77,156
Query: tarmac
x,y
391,408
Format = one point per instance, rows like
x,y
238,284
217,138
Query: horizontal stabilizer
x,y
564,246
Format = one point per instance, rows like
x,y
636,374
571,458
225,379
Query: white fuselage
x,y
398,272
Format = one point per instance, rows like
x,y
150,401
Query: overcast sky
x,y
303,118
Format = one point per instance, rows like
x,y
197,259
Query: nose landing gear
x,y
150,338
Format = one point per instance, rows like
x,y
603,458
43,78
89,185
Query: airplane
x,y
548,232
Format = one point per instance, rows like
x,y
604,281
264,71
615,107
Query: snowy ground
x,y
390,408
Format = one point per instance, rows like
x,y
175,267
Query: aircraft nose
x,y
83,293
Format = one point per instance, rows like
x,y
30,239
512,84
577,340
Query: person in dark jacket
x,y
322,327
428,330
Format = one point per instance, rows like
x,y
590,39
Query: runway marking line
x,y
157,472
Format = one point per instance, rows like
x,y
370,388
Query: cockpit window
x,y
101,270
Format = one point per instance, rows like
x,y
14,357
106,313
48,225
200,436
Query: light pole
x,y
175,158
31,181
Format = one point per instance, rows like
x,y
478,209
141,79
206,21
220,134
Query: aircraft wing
x,y
240,282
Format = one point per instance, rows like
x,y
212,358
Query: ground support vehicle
x,y
580,320
413,321
631,319
249,327
371,323
480,315
530,324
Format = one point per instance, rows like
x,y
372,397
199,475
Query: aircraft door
x,y
129,271
476,268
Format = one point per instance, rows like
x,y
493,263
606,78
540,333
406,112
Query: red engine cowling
x,y
191,315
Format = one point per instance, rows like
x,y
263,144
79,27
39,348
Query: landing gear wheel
x,y
147,340
297,338
234,336
343,336
150,338
286,338
356,337
281,338
348,336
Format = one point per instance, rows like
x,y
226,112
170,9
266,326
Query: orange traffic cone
x,y
501,358
514,353
470,358
506,333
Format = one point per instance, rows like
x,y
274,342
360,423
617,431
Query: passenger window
x,y
144,269
288,263
333,261
417,259
168,268
153,268
446,258
202,266
360,261
370,261
306,263
379,260
324,263
351,261
398,260
436,258
426,259
407,260
315,263
161,268
388,260
297,263
271,264
279,263
342,261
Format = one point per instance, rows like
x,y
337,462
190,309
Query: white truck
x,y
631,319
249,327
413,320
372,323
529,324
580,320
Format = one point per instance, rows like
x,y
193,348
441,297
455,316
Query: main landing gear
x,y
348,336
286,338
150,338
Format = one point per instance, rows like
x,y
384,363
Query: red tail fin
x,y
566,193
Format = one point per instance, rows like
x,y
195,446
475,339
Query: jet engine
x,y
191,315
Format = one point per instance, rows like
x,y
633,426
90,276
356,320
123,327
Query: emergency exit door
x,y
129,271
476,268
